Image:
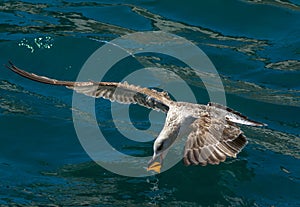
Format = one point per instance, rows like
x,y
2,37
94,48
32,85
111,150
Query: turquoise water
x,y
255,47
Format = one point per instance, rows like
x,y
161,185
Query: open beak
x,y
155,164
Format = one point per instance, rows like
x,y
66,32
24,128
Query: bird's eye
x,y
160,146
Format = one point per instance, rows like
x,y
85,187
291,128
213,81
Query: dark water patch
x,y
276,22
109,14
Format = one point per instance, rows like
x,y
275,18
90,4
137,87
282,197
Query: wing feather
x,y
234,116
120,92
211,140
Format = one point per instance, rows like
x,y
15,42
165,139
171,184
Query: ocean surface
x,y
255,48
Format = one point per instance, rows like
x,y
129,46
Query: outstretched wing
x,y
120,92
212,140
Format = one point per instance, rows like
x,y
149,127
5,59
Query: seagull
x,y
211,130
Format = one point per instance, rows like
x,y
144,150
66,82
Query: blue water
x,y
255,47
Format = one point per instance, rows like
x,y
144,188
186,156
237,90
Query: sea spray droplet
x,y
37,43
25,43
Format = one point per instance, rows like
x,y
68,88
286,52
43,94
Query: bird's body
x,y
211,130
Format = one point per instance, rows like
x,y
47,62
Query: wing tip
x,y
256,123
9,65
237,117
262,124
37,78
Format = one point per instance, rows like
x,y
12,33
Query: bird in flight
x,y
211,130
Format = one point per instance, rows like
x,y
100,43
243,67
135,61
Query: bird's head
x,y
160,148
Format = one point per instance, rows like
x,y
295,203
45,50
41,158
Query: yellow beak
x,y
155,166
